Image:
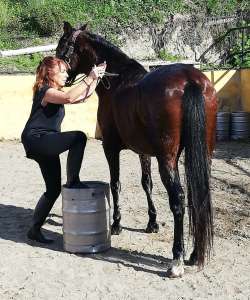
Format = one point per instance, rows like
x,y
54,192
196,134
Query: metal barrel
x,y
86,218
240,124
223,126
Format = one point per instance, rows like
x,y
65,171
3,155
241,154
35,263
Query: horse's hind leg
x,y
170,179
113,158
147,185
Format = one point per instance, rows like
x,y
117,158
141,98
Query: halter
x,y
67,59
71,47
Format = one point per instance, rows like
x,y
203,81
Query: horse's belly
x,y
131,124
135,138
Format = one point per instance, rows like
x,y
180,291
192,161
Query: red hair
x,y
44,71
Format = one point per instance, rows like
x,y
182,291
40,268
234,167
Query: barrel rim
x,y
246,113
95,184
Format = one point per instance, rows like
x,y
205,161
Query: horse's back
x,y
162,93
170,78
150,113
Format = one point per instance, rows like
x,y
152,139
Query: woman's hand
x,y
98,71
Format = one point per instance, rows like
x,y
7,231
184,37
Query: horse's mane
x,y
100,41
129,69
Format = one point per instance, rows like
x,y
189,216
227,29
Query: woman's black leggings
x,y
45,150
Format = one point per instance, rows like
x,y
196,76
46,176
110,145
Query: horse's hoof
x,y
193,260
152,228
116,229
176,270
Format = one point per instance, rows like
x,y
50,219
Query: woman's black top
x,y
42,119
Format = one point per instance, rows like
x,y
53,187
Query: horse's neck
x,y
129,72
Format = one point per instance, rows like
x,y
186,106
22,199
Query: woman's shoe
x,y
76,185
36,235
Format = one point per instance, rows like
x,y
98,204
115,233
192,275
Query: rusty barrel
x,y
240,124
86,218
223,126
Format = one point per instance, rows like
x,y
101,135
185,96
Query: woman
x,y
42,137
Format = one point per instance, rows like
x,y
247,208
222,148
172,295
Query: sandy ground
x,y
135,267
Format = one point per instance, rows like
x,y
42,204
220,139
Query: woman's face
x,y
60,75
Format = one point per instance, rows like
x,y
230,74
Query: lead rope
x,y
106,84
79,79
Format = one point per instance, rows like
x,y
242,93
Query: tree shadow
x,y
15,221
50,220
233,186
139,261
139,230
231,149
232,163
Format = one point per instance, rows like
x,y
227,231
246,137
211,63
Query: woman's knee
x,y
81,137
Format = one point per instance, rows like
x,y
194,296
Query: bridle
x,y
67,59
70,51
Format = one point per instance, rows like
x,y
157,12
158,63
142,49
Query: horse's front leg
x,y
147,185
171,181
113,158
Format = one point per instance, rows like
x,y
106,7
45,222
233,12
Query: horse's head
x,y
75,48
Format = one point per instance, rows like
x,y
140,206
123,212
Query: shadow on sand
x,y
15,221
232,149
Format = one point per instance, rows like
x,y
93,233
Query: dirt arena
x,y
135,267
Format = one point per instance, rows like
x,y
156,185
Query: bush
x,y
3,13
22,63
44,17
38,18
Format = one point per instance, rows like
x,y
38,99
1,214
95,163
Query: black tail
x,y
197,168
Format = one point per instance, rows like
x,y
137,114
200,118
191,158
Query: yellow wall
x,y
233,89
15,105
245,89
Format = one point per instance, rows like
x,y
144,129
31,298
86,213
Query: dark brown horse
x,y
156,114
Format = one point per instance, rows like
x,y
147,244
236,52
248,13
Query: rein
x,y
106,84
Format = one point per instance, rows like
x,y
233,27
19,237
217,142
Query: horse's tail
x,y
197,168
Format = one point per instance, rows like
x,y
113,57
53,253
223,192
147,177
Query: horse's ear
x,y
84,27
67,28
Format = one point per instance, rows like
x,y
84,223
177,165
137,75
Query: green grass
x,y
22,63
26,23
44,17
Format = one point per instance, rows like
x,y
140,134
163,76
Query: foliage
x,y
3,13
164,55
44,17
24,22
239,57
22,63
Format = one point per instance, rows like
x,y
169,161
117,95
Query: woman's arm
x,y
88,92
78,93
